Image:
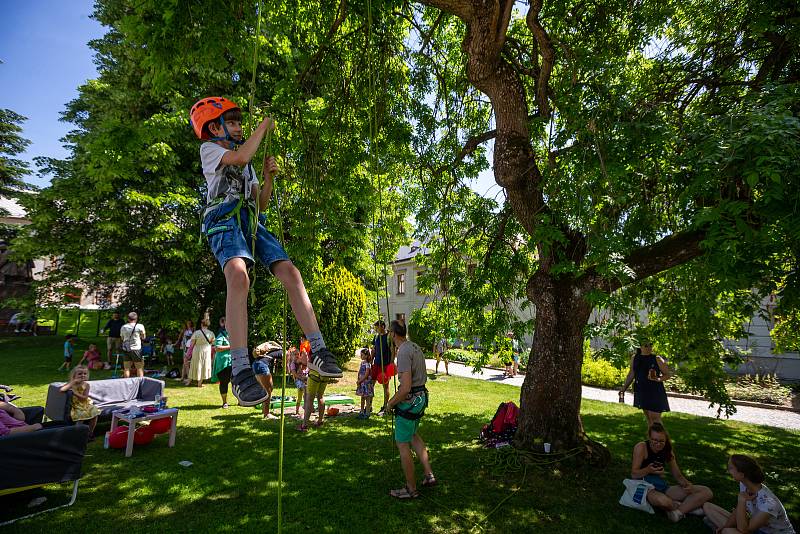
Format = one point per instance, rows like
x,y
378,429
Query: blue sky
x,y
46,58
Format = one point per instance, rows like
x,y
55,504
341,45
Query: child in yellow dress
x,y
82,408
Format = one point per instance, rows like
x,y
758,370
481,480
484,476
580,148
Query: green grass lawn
x,y
337,477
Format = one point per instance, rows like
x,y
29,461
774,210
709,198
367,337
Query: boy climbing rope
x,y
234,224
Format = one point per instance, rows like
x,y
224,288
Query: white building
x,y
405,295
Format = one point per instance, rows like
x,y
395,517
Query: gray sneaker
x,y
324,363
246,388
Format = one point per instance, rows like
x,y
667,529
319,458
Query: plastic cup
x,y
547,448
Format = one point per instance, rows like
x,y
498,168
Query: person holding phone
x,y
650,458
648,372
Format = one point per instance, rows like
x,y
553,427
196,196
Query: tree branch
x,y
341,14
671,251
460,8
548,56
469,147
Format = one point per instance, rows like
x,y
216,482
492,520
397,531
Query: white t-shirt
x,y
127,331
766,501
229,181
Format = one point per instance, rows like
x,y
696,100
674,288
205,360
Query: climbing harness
x,y
418,394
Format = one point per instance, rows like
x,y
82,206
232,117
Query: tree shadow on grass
x,y
702,447
336,478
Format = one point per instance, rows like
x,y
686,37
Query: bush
x,y
462,356
759,388
341,304
754,388
421,328
601,373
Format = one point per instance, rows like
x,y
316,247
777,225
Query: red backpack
x,y
503,425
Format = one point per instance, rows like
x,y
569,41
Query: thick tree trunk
x,y
551,393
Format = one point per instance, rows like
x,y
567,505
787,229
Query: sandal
x,y
404,493
429,481
318,423
302,427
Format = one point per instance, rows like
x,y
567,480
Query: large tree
x,y
124,208
645,147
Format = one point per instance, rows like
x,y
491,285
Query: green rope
x,y
253,219
505,461
283,347
256,48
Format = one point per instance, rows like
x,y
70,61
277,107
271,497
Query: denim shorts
x,y
261,367
659,483
229,241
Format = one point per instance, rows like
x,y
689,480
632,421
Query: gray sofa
x,y
108,395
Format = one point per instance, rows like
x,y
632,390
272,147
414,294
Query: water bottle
x,y
157,402
105,440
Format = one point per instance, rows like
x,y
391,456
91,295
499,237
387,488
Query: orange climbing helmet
x,y
208,109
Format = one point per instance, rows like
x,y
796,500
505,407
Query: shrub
x,y
601,373
755,388
759,388
341,304
421,328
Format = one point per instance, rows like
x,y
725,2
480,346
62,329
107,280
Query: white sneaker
x,y
675,515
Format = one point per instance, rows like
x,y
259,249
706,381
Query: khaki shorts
x,y
133,358
114,344
315,387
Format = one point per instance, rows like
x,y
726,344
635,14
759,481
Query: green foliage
x,y
12,170
340,302
601,373
124,208
756,388
786,332
673,136
759,388
421,327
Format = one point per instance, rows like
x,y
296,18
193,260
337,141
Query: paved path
x,y
747,414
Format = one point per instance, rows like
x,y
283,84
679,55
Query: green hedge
x,y
341,305
601,373
421,326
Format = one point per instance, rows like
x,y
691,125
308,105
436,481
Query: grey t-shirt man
x,y
411,358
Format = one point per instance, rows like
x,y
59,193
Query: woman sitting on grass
x,y
757,509
649,460
82,408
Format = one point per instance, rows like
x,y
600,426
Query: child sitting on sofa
x,y
82,408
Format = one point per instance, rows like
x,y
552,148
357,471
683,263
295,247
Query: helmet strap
x,y
232,142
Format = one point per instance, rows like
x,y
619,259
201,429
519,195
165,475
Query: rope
x,y
373,133
253,215
283,348
508,460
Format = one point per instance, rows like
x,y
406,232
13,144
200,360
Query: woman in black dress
x,y
648,372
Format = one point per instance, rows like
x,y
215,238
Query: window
x,y
401,284
419,275
400,317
